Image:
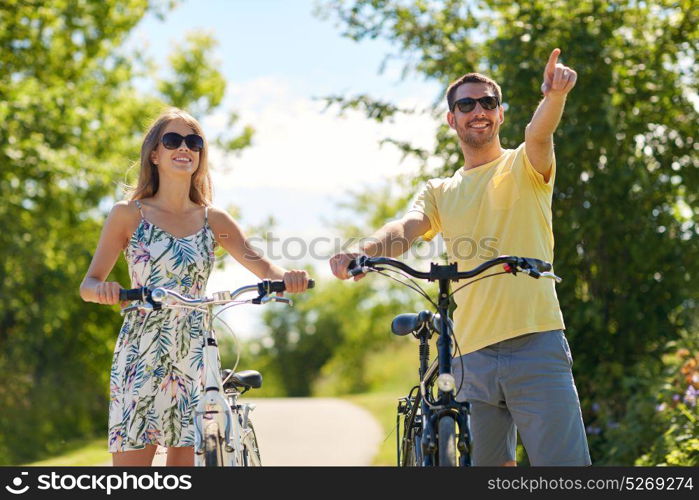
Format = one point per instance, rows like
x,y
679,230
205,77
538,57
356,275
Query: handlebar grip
x,y
354,268
538,265
133,294
279,286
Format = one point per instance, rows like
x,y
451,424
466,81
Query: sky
x,y
278,60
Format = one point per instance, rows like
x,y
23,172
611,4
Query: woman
x,y
168,231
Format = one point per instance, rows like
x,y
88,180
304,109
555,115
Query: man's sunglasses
x,y
172,140
468,104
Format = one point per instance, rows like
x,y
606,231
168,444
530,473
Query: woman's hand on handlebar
x,y
339,264
296,281
107,292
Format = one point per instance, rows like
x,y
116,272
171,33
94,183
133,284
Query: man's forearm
x,y
546,118
389,241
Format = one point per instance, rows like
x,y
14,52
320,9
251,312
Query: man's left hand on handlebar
x,y
339,264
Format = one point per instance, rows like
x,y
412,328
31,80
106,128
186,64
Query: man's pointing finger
x,y
553,59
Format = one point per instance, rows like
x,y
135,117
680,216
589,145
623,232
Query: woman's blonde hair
x,y
148,179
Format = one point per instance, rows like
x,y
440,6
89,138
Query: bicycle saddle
x,y
403,324
247,379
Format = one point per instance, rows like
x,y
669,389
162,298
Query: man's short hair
x,y
471,78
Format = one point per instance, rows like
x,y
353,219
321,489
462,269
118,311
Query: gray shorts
x,y
524,384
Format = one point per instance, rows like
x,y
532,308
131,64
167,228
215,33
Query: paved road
x,y
311,431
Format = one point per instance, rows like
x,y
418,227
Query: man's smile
x,y
479,125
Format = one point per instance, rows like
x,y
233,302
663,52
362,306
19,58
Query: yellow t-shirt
x,y
500,208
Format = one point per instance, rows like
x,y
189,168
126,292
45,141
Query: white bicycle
x,y
223,431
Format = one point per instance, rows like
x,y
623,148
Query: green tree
x,y
625,204
329,333
72,123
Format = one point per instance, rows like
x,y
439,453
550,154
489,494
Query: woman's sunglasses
x,y
468,104
172,140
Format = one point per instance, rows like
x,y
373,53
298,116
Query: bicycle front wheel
x,y
213,449
446,438
251,451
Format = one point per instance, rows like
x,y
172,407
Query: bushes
x,y
676,416
660,424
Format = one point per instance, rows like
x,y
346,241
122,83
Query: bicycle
x,y
436,430
223,431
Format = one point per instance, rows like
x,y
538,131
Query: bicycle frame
x,y
212,405
432,411
461,411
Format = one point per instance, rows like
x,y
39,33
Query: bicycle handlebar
x,y
533,267
264,287
279,286
133,294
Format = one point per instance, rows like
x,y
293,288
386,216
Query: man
x,y
516,367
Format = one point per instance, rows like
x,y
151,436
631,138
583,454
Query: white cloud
x,y
299,146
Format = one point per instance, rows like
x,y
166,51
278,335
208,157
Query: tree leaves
x,y
196,83
72,121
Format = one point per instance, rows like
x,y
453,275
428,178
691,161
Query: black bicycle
x,y
436,428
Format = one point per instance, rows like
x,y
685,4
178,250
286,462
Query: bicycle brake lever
x,y
127,310
549,274
147,306
531,272
272,298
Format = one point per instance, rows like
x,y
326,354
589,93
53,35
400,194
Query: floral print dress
x,y
157,368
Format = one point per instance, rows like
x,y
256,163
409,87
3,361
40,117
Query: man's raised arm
x,y
559,80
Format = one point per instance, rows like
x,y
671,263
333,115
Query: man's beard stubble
x,y
476,142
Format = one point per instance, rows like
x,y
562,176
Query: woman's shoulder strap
x,y
140,208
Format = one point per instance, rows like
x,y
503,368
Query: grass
x,y
383,407
79,453
392,372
